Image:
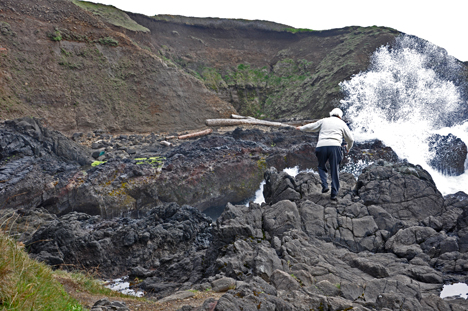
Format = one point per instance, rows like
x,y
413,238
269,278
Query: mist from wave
x,y
411,91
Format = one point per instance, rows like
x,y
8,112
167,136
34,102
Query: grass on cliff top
x,y
298,30
27,284
111,15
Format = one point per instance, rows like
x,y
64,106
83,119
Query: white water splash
x,y
411,91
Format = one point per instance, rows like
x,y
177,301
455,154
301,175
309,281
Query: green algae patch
x,y
154,161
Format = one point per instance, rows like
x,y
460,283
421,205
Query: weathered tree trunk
x,y
227,122
197,134
235,116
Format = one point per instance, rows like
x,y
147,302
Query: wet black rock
x,y
165,243
362,251
449,154
391,239
32,159
404,190
350,254
41,168
27,137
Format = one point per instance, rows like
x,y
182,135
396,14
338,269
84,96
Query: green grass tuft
x,y
27,284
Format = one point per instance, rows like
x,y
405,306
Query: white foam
x,y
403,99
123,286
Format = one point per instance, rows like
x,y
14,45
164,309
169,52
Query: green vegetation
x,y
55,36
5,29
154,161
111,15
259,90
108,41
69,65
27,284
296,30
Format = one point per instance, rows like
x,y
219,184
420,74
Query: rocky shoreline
x,y
390,242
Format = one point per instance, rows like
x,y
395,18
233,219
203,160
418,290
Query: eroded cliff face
x,y
261,68
63,64
80,68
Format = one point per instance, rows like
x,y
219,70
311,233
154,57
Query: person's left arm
x,y
348,137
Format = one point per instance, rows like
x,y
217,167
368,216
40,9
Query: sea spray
x,y
412,90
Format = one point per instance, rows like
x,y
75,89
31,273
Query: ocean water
x,y
122,285
411,91
455,290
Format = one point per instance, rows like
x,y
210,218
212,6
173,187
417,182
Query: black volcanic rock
x,y
449,154
404,190
167,237
363,251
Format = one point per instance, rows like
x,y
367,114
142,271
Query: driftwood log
x,y
236,116
228,122
196,134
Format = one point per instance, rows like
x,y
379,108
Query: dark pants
x,y
333,155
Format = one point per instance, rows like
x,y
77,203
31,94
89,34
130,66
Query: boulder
x,y
449,154
223,284
405,191
278,187
284,281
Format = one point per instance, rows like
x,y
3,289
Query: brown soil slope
x,y
63,64
80,68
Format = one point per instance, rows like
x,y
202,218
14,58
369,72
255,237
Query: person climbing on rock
x,y
332,131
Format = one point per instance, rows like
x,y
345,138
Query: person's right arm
x,y
311,127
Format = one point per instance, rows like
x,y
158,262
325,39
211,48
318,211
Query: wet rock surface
x,y
389,242
336,256
449,154
290,254
167,236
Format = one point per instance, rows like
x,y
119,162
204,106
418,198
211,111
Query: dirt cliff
x,y
65,65
82,66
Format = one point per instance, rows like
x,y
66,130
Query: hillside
x,y
65,65
82,67
262,68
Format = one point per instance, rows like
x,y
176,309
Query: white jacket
x,y
332,131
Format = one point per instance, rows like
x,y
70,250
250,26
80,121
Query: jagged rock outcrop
x,y
402,269
42,168
167,236
32,158
294,253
